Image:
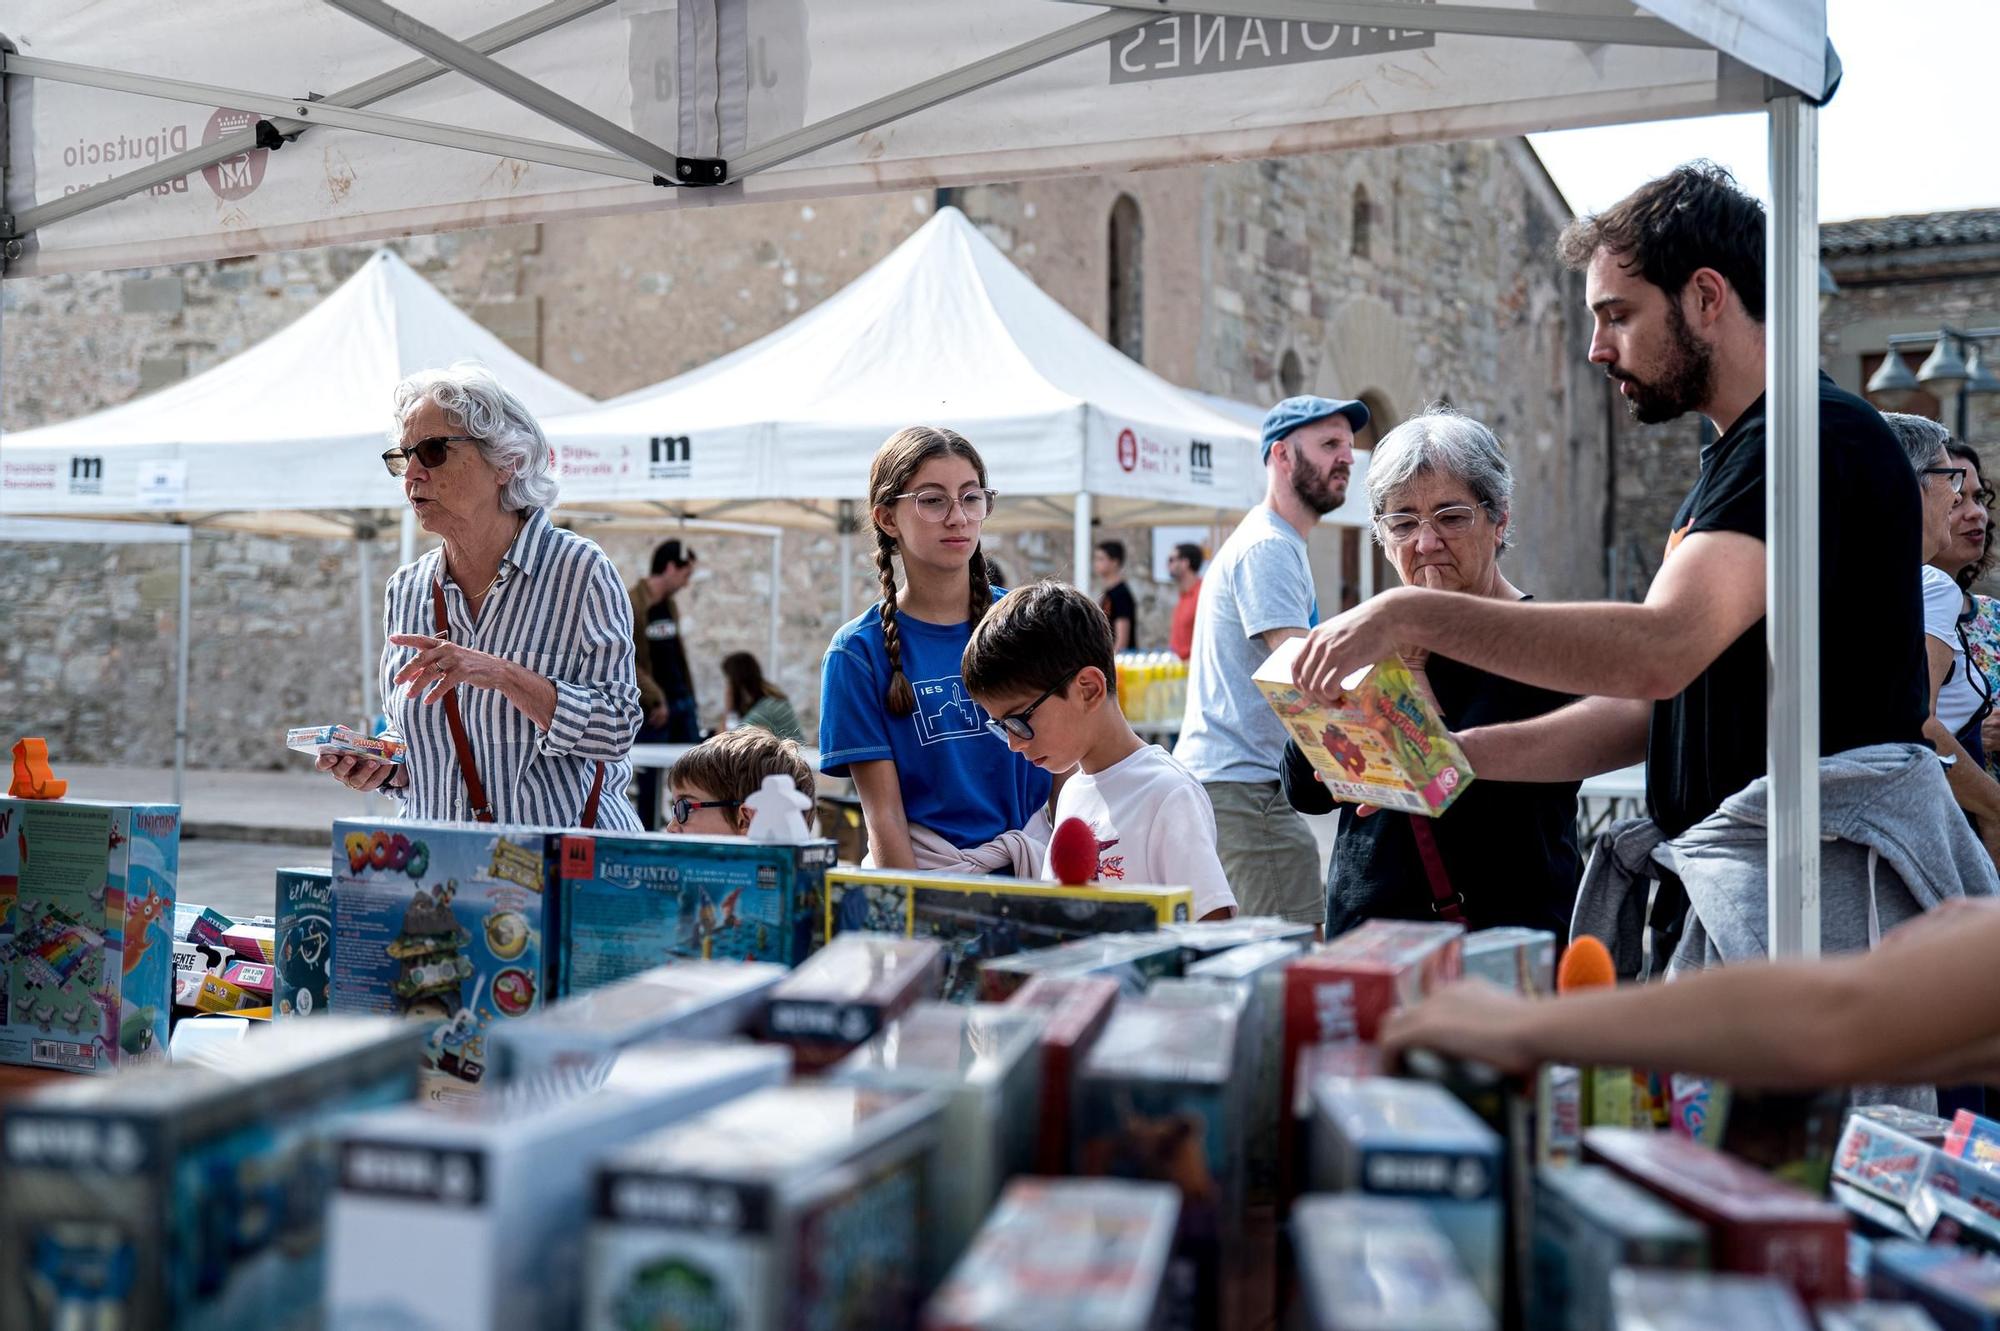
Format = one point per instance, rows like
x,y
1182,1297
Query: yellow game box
x,y
1383,744
976,918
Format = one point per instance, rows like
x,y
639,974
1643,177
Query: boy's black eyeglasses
x,y
1015,724
682,808
430,452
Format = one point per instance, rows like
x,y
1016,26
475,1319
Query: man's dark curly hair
x,y
1693,217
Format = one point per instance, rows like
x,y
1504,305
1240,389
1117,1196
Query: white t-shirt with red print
x,y
1154,824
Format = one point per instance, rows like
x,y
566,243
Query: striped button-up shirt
x,y
559,609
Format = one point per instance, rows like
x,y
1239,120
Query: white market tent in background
x,y
943,331
155,131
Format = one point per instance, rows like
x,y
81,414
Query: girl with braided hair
x,y
894,713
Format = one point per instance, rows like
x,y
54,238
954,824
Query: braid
x,y
901,699
982,586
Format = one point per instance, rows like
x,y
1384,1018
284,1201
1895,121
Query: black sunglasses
x,y
682,808
1015,724
430,452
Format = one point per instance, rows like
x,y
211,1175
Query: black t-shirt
x,y
1709,741
669,658
1117,604
1509,847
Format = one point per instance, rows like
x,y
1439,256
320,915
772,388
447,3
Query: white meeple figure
x,y
777,811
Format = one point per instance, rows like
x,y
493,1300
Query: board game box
x,y
577,1037
1379,1264
497,1191
1588,1222
975,917
1205,938
798,1206
1961,1290
1159,1099
444,923
1523,960
1874,1317
1073,1010
1757,1225
631,900
1257,972
1413,1140
985,1060
1651,1300
1926,1128
1946,1178
1063,1252
1974,1139
1878,1159
1382,744
189,1196
1133,960
848,991
305,941
86,949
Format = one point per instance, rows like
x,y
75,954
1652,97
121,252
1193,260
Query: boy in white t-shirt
x,y
1040,663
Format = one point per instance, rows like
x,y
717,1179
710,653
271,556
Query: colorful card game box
x,y
252,941
985,1060
1523,960
445,923
798,1206
1133,960
1073,1010
1974,1139
1658,1300
346,740
975,918
1961,1290
848,991
632,900
686,1000
1159,1098
189,1196
1063,1252
305,941
1415,1141
1874,1317
1878,1159
1588,1222
1379,1264
86,953
1757,1225
497,1191
1382,744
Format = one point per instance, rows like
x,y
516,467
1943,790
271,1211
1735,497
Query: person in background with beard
x,y
1258,593
1674,277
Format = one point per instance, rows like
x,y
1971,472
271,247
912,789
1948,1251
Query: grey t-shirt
x,y
1258,581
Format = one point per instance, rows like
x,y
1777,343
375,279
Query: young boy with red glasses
x,y
710,782
1040,663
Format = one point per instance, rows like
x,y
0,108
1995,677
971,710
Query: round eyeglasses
x,y
1402,528
935,505
429,452
682,808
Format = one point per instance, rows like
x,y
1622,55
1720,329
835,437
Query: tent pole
x,y
1082,574
846,575
1791,499
364,537
777,600
181,671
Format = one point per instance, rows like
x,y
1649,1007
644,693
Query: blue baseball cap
x,y
1293,412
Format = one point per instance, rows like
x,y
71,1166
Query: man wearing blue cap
x,y
1258,593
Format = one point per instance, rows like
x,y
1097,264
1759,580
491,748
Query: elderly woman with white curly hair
x,y
513,637
1505,853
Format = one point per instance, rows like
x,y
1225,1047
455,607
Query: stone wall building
x,y
1401,276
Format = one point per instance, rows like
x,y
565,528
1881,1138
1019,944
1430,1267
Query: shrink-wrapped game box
x,y
976,918
985,1060
798,1206
1206,938
1089,1254
304,965
1588,1222
1073,1011
86,943
1756,1224
1379,1264
848,991
1523,960
1257,972
1134,960
1960,1290
686,1000
632,900
1663,1300
189,1196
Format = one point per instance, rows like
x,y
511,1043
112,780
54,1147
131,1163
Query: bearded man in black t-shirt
x,y
1674,277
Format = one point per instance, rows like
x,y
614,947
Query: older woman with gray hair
x,y
1505,853
507,654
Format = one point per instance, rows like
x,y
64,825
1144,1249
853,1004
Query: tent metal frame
x,y
1792,268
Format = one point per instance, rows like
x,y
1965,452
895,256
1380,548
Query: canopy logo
x,y
1183,44
86,476
1128,450
233,177
672,457
1201,462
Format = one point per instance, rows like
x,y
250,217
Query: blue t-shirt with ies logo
x,y
958,778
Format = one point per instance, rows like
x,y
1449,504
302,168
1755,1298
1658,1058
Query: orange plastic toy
x,y
32,778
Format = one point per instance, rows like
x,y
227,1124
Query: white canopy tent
x,y
943,331
702,102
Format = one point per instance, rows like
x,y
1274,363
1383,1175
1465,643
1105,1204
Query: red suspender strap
x,y
1447,904
475,789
